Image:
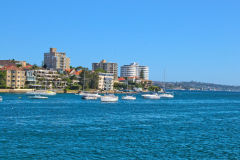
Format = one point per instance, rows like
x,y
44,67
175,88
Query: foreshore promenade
x,y
15,90
57,91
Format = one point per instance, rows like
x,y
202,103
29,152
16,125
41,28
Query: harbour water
x,y
193,125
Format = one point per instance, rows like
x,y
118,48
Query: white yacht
x,y
1,99
38,97
151,96
128,97
85,94
166,95
42,92
89,97
109,98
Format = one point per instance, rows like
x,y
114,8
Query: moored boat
x,y
151,96
109,98
166,95
89,97
89,94
42,92
38,97
128,97
1,99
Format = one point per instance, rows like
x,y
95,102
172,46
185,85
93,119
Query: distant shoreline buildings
x,y
56,73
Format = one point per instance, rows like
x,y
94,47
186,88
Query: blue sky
x,y
192,40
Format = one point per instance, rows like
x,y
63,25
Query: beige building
x,y
105,81
15,77
49,79
108,67
56,60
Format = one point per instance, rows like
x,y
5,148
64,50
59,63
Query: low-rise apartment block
x,y
15,77
106,81
49,79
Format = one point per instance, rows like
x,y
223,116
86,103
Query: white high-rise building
x,y
135,70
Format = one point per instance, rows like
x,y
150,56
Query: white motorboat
x,y
38,97
89,97
151,96
128,97
89,94
1,99
42,92
109,98
166,95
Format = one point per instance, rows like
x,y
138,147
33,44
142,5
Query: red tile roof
x,y
11,68
121,79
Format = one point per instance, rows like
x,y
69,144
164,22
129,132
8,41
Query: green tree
x,y
19,65
3,79
154,88
88,79
13,61
120,86
35,67
44,66
100,70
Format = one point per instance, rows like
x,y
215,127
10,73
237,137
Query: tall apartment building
x,y
108,67
15,77
56,60
135,70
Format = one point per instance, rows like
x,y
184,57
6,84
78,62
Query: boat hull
x,y
128,98
42,93
109,99
149,96
38,97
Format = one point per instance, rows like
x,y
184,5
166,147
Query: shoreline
x,y
59,91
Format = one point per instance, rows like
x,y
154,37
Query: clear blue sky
x,y
191,39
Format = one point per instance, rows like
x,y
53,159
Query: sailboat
x,y
42,92
128,97
86,95
165,94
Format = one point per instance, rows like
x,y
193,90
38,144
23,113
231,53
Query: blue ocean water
x,y
193,125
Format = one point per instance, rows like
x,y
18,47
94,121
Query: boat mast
x,y
164,79
84,80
